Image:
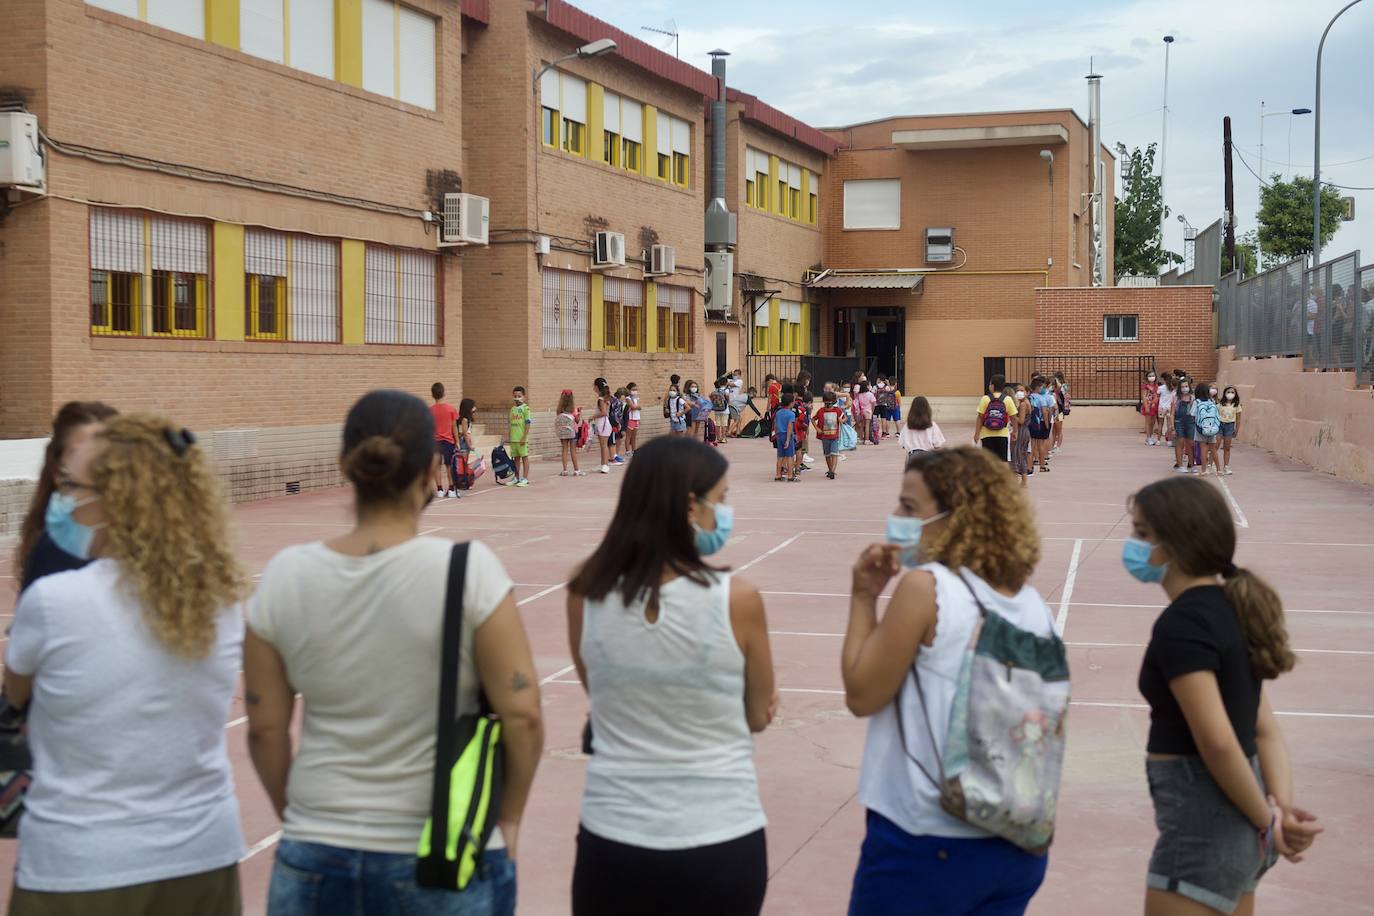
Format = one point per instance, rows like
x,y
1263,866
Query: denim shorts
x,y
1228,430
312,879
1206,440
830,447
679,426
1184,427
1207,850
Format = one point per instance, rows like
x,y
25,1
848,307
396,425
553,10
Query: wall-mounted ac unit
x,y
21,163
939,245
662,260
718,288
609,250
465,220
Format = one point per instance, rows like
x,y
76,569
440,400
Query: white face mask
x,y
1020,395
691,391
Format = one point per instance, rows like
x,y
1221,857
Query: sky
x,y
831,64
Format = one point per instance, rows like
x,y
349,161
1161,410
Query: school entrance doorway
x,y
876,336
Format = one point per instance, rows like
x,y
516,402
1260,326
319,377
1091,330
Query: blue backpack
x,y
1208,418
501,464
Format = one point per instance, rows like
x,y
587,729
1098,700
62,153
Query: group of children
x,y
1200,421
1024,423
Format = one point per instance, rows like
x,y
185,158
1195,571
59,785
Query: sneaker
x,y
579,473
618,459
452,493
1150,441
508,483
844,457
522,482
604,469
1179,469
807,459
829,475
565,473
1227,472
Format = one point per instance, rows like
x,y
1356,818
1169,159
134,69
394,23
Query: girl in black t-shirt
x,y
1217,766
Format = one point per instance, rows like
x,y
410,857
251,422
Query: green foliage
x,y
1139,244
1247,253
1285,218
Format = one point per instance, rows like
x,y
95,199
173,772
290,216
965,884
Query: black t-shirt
x,y
1198,632
45,559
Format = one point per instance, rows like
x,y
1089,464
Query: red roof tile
x,y
480,10
761,112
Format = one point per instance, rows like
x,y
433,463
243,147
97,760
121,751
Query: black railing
x,y
1091,379
822,368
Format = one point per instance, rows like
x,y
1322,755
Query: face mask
x,y
1230,395
66,532
882,385
1020,395
708,542
519,399
905,532
691,391
633,393
1135,556
1183,390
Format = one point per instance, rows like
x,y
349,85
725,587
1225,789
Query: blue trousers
x,y
311,879
904,875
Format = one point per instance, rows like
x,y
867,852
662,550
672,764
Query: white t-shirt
x,y
634,407
921,440
1166,398
361,639
131,780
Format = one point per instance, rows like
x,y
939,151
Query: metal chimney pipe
x,y
1098,204
718,125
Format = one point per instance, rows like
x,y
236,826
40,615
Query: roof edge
x,y
765,115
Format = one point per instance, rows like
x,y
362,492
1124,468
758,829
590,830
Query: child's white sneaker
x,y
1227,472
565,473
604,469
579,473
523,482
451,493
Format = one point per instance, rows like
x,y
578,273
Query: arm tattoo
x,y
519,682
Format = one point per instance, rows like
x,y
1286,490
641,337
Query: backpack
x,y
849,438
615,411
709,431
467,468
720,401
995,417
1065,402
584,434
501,464
565,426
1004,749
887,399
1208,419
828,423
667,406
874,430
1037,424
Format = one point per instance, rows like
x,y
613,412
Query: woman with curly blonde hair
x,y
964,531
130,663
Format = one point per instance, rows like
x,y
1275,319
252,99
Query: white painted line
x,y
420,534
809,690
1063,616
232,722
1295,714
542,537
1241,520
557,674
266,842
769,553
816,594
801,633
1160,607
537,595
1141,645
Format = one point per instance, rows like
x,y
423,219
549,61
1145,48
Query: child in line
x,y
864,405
885,405
785,438
632,423
829,419
1149,405
1229,409
1020,448
467,409
802,388
620,411
676,410
772,387
602,423
1207,420
1184,428
1062,406
517,443
1164,426
922,433
566,427
696,416
720,408
1040,422
445,440
896,403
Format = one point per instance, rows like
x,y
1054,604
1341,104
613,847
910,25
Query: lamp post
x,y
1048,156
1164,141
1317,145
1277,114
591,49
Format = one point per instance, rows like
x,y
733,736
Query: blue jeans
x,y
311,879
904,875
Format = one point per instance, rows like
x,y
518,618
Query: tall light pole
x,y
1295,111
1048,156
1276,114
1317,146
1164,141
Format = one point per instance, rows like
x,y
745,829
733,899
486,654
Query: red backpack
x,y
995,417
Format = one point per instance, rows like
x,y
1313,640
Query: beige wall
x,y
1318,418
945,356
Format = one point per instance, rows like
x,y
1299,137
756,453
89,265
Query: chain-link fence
x,y
1205,268
1324,314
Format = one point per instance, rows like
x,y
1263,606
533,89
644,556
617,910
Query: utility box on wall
x,y
21,162
939,245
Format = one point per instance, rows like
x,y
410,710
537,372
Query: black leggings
x,y
614,879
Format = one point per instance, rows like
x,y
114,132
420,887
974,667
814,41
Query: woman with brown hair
x,y
969,534
131,662
1217,766
37,554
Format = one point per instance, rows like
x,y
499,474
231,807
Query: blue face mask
x,y
66,532
1135,556
905,532
708,542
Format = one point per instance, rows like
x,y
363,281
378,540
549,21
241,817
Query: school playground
x,y
1310,534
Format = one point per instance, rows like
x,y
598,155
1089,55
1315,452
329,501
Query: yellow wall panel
x,y
222,22
596,117
228,281
353,282
650,317
348,41
598,307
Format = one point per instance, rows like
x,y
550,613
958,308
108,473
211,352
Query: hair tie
x,y
180,440
1229,571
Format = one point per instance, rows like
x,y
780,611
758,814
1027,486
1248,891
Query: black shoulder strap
x,y
449,664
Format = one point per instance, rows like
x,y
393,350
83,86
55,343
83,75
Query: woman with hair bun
x,y
130,663
1218,770
354,625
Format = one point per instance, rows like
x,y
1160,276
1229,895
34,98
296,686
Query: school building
x,y
245,220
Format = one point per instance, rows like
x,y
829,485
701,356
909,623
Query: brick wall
x,y
1175,325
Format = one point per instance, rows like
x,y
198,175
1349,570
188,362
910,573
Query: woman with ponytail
x,y
1218,770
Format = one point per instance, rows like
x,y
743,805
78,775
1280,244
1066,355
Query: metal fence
x,y
1205,269
1091,379
1324,314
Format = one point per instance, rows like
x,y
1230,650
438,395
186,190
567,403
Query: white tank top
x,y
673,764
889,783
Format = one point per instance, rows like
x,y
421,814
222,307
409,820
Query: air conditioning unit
x,y
609,250
465,220
720,277
662,260
21,163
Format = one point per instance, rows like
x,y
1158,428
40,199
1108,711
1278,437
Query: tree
x,y
1285,218
1247,254
1139,242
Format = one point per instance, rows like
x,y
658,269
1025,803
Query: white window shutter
x,y
314,289
632,120
682,137
665,134
417,59
312,37
262,29
379,47
681,298
419,311
123,7
264,252
379,296
761,315
873,204
548,89
182,16
574,99
611,113
116,241
794,176
180,245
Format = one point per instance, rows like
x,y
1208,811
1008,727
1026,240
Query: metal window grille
x,y
632,312
313,290
401,296
1121,327
679,301
149,275
610,298
565,303
265,267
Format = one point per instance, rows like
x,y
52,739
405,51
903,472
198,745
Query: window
x,y
749,190
574,101
761,327
813,208
565,304
610,122
632,133
176,15
674,150
873,204
550,127
610,148
630,156
1121,327
665,166
678,300
610,300
400,296
794,203
755,178
632,316
290,287
149,275
265,300
398,52
665,322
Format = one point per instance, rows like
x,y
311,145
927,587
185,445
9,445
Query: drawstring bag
x,y
1004,751
469,762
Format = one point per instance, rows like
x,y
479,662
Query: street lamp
x,y
1164,137
1317,146
1048,156
593,49
1277,114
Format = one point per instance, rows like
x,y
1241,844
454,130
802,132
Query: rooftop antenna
x,y
670,30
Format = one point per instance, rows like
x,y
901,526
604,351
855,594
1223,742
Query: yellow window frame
x,y
632,335
760,339
682,169
749,191
794,330
550,119
812,209
611,316
761,181
665,328
251,301
794,202
610,147
682,332
574,137
665,166
167,282
632,155
135,305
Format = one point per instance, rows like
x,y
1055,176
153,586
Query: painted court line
x,y
1241,520
537,595
763,556
553,678
1160,607
232,722
266,842
428,531
1141,645
1295,714
1063,616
